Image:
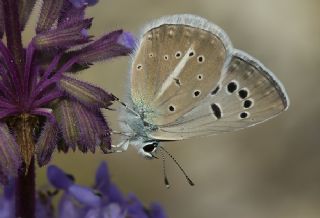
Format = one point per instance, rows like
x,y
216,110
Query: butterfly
x,y
187,80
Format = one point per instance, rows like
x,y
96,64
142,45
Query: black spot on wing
x,y
215,90
216,110
232,86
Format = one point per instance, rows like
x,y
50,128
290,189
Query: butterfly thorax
x,y
137,129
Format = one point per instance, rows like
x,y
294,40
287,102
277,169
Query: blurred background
x,y
271,170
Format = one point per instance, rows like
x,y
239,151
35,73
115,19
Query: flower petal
x,y
84,195
64,36
104,185
58,178
69,12
67,209
82,127
25,10
102,182
87,94
115,195
94,130
127,40
68,122
10,158
135,208
117,43
156,211
28,74
46,143
50,12
44,206
82,3
9,63
113,211
8,112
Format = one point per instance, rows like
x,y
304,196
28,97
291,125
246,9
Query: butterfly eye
x,y
150,147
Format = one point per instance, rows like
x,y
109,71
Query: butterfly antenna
x,y
126,106
166,181
174,160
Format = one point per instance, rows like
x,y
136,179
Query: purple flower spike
x,y
10,158
44,106
117,43
50,12
87,94
64,36
58,178
46,143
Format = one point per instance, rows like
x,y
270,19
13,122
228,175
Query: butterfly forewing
x,y
175,68
248,94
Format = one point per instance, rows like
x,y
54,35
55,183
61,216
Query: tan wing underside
x,y
266,95
163,74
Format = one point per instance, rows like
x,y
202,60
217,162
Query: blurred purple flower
x,y
61,111
81,3
44,207
104,200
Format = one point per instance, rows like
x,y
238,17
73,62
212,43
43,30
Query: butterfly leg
x,y
121,147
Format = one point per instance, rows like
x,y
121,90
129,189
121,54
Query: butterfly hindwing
x,y
176,66
248,94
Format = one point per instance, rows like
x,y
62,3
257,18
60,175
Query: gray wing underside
x,y
248,94
178,61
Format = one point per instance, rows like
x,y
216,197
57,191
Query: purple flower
x,y
44,207
104,200
81,3
42,105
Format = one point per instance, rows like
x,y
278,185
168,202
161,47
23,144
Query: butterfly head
x,y
148,149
